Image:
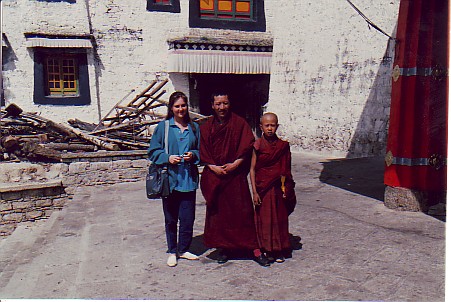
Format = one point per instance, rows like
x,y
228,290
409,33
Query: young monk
x,y
272,189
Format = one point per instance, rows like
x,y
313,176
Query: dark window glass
x,y
172,6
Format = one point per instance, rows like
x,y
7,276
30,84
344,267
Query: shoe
x,y
223,259
172,260
189,256
270,257
262,260
280,259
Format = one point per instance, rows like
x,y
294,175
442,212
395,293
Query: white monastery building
x,y
317,64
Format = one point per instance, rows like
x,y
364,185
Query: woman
x,y
182,160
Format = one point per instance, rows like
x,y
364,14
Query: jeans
x,y
179,206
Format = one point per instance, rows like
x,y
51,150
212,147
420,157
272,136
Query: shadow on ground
x,y
364,176
198,248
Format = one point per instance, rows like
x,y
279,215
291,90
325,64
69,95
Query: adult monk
x,y
273,189
225,149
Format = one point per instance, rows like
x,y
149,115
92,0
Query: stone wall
x,y
29,202
30,191
104,173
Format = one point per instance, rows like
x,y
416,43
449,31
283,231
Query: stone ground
x,y
109,243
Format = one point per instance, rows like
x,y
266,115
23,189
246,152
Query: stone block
x,y
57,170
7,229
76,168
140,163
11,195
20,205
70,190
112,177
404,199
5,206
32,215
13,217
59,202
133,175
42,203
54,191
121,164
69,180
102,166
33,193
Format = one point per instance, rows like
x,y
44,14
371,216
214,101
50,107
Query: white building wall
x,y
330,81
132,46
25,16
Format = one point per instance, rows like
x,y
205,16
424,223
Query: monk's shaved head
x,y
269,116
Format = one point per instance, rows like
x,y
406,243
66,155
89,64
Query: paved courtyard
x,y
109,243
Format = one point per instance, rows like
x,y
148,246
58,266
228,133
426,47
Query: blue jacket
x,y
158,155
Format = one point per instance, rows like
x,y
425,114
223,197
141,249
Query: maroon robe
x,y
271,217
229,221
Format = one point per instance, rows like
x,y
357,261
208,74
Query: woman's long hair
x,y
172,99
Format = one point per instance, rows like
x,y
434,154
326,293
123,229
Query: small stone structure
x,y
30,192
103,168
405,199
29,202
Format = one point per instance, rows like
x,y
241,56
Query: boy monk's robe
x,y
271,219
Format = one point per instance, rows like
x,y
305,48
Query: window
x,y
61,77
164,5
229,9
247,15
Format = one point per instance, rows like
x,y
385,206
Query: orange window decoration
x,y
62,76
225,6
226,9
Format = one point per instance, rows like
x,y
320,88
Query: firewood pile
x,y
31,137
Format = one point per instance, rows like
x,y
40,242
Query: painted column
x,y
415,172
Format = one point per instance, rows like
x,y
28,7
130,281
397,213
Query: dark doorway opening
x,y
248,93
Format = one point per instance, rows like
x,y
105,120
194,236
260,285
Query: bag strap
x,y
166,134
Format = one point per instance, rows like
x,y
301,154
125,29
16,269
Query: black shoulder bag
x,y
157,179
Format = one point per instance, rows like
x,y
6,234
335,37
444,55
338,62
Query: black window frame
x,y
258,23
172,7
41,96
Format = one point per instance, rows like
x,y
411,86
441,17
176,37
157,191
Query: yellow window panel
x,y
243,7
207,4
225,6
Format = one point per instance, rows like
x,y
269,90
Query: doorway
x,y
248,93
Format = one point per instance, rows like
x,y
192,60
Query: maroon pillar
x,y
415,172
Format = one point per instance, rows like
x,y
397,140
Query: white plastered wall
x,y
330,81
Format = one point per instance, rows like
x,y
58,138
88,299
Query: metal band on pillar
x,y
435,160
436,72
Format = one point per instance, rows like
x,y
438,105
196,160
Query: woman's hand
x,y
188,156
174,159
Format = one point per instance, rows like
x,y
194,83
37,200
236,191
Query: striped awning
x,y
211,61
59,43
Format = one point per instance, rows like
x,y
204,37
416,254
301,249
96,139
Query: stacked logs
x,y
28,136
31,137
